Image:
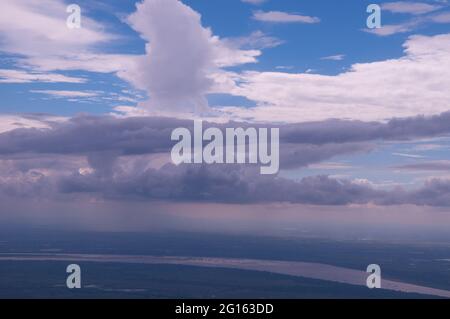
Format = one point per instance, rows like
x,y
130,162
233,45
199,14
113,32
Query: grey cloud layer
x,y
339,131
143,135
35,163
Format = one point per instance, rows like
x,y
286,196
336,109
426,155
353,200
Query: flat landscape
x,y
124,265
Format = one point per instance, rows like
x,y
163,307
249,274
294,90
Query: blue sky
x,y
302,47
310,64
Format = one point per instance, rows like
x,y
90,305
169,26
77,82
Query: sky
x,y
364,116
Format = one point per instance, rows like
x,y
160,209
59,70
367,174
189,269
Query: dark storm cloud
x,y
104,138
434,193
340,131
86,134
237,184
143,135
109,145
300,155
219,183
244,185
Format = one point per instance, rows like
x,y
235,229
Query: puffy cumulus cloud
x,y
30,175
180,56
234,184
175,71
129,179
184,61
218,183
435,192
416,83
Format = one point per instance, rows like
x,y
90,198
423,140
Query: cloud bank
x,y
114,158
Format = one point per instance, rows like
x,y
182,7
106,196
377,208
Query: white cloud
x,y
416,83
184,61
337,57
284,67
11,121
415,8
283,17
38,27
64,94
254,2
36,31
423,14
181,54
257,40
408,155
23,76
175,70
390,29
93,62
441,18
